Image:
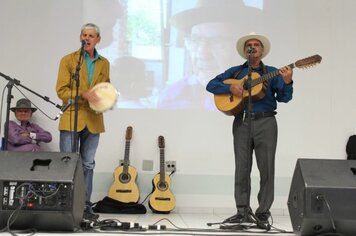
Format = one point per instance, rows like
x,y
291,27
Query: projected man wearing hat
x,y
263,135
25,136
209,31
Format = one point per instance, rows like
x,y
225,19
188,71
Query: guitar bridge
x,y
123,190
163,198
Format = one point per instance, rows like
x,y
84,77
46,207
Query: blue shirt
x,y
90,64
276,89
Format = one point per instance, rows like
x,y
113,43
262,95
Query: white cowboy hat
x,y
210,11
240,45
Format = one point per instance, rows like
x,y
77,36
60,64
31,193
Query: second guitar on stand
x,y
162,199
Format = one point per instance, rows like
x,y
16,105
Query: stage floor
x,y
177,224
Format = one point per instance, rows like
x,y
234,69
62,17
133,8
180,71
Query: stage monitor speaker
x,y
41,190
322,197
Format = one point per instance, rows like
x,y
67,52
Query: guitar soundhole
x,y
124,178
162,186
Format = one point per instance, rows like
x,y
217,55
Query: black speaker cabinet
x,y
322,197
45,188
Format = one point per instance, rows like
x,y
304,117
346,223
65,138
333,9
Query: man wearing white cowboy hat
x,y
25,136
263,136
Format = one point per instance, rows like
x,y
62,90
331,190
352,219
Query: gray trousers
x,y
264,133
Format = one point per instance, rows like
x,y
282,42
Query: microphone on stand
x,y
250,50
64,108
83,43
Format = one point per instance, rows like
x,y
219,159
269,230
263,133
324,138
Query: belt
x,y
258,115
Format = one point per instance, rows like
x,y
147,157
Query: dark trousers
x,y
263,142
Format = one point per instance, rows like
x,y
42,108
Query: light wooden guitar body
x,y
231,104
162,199
124,188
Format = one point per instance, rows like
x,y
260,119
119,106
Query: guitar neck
x,y
268,76
162,170
126,158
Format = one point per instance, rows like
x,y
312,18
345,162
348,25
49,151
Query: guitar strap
x,y
239,70
243,66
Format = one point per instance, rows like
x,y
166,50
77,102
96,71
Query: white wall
x,y
35,34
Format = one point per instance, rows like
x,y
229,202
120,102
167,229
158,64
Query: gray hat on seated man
x,y
23,103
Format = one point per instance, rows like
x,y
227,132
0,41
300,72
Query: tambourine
x,y
107,95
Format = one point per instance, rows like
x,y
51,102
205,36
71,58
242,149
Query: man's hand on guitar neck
x,y
237,90
287,74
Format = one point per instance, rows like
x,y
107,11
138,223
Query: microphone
x,y
83,43
64,108
250,50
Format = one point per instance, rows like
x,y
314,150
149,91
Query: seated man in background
x,y
25,136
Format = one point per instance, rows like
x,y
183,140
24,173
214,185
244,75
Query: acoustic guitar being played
x,y
162,199
233,105
124,188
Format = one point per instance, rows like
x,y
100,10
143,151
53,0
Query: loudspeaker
x,y
322,197
41,190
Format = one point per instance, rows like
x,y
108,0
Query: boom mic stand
x,y
248,113
76,100
9,86
248,84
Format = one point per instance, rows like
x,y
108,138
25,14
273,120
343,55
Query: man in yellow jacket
x,y
94,69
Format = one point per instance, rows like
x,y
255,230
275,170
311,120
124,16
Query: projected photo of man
x,y
135,83
209,30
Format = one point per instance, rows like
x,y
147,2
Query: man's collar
x,y
96,54
20,124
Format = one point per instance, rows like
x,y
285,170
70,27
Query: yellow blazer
x,y
66,88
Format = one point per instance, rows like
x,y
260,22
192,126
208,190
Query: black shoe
x,y
263,217
262,220
242,216
90,215
235,219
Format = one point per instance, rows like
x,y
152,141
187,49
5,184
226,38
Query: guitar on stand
x,y
124,188
233,105
162,200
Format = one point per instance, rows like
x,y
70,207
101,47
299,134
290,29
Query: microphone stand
x,y
249,134
76,100
249,123
9,86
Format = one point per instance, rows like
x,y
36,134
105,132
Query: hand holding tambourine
x,y
102,97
